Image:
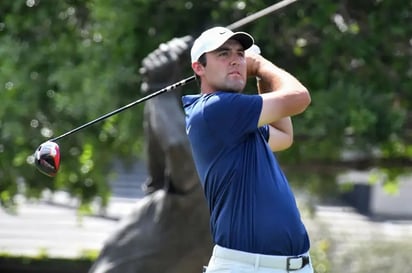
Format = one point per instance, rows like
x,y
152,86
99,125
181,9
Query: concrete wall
x,y
373,199
398,204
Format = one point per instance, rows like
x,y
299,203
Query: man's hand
x,y
252,56
254,49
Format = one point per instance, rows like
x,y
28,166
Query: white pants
x,y
226,260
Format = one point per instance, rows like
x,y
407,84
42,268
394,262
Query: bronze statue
x,y
167,147
168,231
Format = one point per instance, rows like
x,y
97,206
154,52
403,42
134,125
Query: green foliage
x,y
64,63
320,256
44,263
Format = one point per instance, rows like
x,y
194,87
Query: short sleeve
x,y
231,116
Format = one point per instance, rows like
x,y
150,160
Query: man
x,y
255,223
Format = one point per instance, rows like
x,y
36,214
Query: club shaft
x,y
259,14
121,109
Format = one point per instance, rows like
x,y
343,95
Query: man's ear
x,y
198,68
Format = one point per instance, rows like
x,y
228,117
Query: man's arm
x,y
280,131
283,96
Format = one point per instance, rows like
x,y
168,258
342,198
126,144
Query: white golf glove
x,y
254,49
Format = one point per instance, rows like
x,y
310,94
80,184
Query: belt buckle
x,y
304,260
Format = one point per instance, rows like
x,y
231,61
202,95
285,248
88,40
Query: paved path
x,y
350,230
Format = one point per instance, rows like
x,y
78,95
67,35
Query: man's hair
x,y
202,61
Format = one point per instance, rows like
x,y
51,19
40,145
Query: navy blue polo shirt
x,y
251,205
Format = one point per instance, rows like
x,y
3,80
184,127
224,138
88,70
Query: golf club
x,y
47,155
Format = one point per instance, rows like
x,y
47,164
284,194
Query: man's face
x,y
225,69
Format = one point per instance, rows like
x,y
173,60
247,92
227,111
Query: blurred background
x,y
64,63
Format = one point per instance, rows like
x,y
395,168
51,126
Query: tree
x,y
68,62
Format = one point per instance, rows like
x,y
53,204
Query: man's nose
x,y
235,59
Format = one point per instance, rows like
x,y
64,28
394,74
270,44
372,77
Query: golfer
x,y
255,222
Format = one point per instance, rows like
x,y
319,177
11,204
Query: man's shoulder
x,y
215,100
190,99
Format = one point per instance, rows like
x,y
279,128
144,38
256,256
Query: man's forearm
x,y
284,124
274,77
283,95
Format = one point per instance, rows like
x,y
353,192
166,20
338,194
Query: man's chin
x,y
233,89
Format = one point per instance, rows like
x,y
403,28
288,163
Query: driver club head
x,y
47,158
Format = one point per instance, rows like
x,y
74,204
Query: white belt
x,y
288,263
